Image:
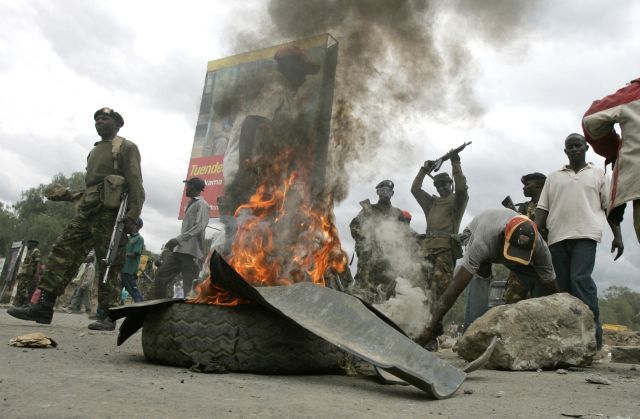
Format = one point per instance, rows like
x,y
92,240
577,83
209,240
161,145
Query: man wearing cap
x,y
498,236
27,280
371,229
135,246
532,187
113,167
185,253
572,207
598,124
441,246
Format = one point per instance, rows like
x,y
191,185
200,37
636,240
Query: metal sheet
x,y
347,323
135,314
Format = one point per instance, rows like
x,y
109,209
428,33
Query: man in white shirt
x,y
572,207
186,251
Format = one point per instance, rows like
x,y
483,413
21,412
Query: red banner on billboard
x,y
208,168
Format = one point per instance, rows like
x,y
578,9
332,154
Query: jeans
x,y
476,299
573,261
129,282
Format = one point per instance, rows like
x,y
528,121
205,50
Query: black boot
x,y
103,324
40,312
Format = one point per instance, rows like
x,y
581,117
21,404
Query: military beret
x,y
110,113
442,177
385,183
533,176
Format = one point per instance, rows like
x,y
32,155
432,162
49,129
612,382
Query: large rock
x,y
546,332
625,354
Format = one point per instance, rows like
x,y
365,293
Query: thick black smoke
x,y
400,60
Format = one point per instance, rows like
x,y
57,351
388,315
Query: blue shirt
x,y
136,246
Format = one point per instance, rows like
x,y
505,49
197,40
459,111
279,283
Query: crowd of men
x,y
548,243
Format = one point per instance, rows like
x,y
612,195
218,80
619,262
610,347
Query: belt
x,y
442,234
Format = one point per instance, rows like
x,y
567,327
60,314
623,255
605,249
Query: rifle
x,y
508,203
116,236
437,164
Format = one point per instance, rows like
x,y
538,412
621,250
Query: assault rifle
x,y
437,163
116,236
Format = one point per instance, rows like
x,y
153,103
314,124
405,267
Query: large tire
x,y
246,338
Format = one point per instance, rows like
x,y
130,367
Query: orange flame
x,y
282,238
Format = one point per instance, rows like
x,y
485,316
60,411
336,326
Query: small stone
x,y
81,335
499,394
594,379
468,391
633,368
181,381
561,371
575,369
539,370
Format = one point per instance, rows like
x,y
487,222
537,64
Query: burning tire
x,y
246,338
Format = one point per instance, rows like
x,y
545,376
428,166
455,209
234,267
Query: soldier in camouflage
x,y
27,275
374,281
441,245
532,187
113,161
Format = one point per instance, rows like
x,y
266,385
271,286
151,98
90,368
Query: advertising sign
x,y
245,96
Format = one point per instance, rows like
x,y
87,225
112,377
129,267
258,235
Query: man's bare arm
x,y
460,281
617,243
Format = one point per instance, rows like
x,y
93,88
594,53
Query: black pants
x,y
174,264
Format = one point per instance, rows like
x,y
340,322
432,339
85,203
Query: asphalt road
x,y
87,375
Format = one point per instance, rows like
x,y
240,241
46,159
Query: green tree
x,y
8,229
34,217
620,305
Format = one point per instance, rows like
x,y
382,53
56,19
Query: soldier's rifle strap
x,y
116,144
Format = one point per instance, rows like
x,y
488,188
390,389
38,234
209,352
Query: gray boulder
x,y
625,354
547,332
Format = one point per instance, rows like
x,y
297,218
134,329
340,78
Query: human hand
x,y
455,157
129,225
425,336
171,244
428,165
617,244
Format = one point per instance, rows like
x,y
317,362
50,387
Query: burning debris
x,y
280,239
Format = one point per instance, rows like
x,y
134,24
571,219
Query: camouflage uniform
x,y
374,281
93,224
27,276
514,289
441,246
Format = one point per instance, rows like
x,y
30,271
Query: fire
x,y
282,237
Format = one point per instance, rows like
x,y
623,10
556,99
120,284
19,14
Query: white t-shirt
x,y
576,202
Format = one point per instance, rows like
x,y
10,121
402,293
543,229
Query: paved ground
x,y
87,375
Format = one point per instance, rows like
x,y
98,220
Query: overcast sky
x,y
529,85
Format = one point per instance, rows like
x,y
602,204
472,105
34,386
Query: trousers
x,y
174,264
573,261
86,231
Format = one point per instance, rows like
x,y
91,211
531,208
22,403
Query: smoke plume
x,y
400,61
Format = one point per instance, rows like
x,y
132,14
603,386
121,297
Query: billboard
x,y
245,97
